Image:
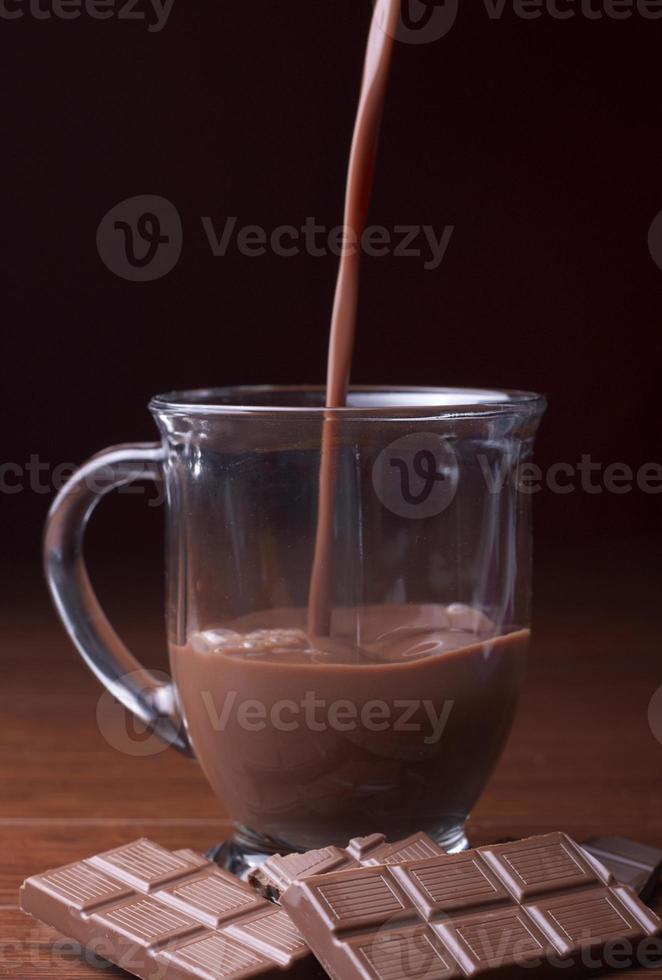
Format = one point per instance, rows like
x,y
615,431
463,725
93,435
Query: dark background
x,y
538,140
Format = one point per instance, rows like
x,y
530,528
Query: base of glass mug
x,y
246,850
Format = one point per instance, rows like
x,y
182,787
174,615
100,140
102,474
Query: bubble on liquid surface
x,y
259,642
209,640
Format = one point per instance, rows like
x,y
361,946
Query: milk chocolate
x,y
631,863
534,907
159,913
279,871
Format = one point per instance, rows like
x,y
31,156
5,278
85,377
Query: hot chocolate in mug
x,y
344,662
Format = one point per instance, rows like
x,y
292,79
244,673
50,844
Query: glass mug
x,y
390,715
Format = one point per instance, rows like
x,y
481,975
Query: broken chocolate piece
x,y
633,864
278,872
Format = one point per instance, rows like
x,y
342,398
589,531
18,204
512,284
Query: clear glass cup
x,y
387,710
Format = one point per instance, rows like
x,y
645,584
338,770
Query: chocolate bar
x,y
165,914
279,871
633,864
534,907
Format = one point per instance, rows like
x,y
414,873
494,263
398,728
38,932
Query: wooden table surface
x,y
582,758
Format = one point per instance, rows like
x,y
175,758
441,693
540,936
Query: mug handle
x,y
99,645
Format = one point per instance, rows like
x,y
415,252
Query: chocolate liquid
x,y
343,321
406,728
310,735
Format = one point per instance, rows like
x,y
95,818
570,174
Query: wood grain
x,y
581,758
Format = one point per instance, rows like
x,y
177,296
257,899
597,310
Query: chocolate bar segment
x,y
192,857
528,908
143,864
160,913
541,864
633,864
279,871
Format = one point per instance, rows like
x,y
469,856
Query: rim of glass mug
x,y
364,402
